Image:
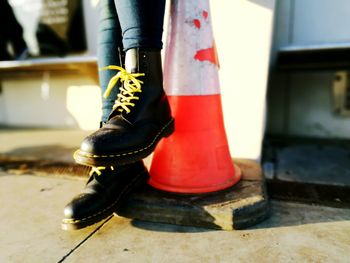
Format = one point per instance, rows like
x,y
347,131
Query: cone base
x,y
240,206
198,190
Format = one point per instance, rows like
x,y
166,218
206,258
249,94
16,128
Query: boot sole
x,y
123,158
75,224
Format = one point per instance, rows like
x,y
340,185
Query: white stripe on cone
x,y
194,68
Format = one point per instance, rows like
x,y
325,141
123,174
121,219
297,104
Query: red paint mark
x,y
208,54
205,14
197,23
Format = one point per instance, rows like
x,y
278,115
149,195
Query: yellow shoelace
x,y
98,170
130,86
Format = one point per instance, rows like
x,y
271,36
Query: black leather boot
x,y
141,116
106,189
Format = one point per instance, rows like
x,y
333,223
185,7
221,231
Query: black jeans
x,y
126,24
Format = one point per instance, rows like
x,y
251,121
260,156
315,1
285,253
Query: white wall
x,y
243,32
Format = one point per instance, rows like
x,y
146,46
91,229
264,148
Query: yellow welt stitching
x,y
128,153
100,212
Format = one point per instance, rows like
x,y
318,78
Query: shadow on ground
x,y
282,215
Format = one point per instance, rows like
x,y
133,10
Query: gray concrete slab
x,y
308,170
314,163
238,207
294,233
30,217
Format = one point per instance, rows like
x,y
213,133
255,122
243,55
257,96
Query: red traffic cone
x,y
196,158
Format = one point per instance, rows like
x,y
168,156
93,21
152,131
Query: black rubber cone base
x,y
240,206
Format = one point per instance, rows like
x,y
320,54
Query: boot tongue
x,y
132,60
131,66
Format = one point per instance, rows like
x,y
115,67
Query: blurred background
x,y
283,71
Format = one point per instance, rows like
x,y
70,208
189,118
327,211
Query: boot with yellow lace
x,y
141,115
106,189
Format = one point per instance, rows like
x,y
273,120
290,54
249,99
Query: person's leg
x,y
141,23
109,51
141,116
110,185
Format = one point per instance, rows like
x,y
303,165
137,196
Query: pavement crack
x,y
84,240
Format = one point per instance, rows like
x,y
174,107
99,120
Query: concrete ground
x,y
32,208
